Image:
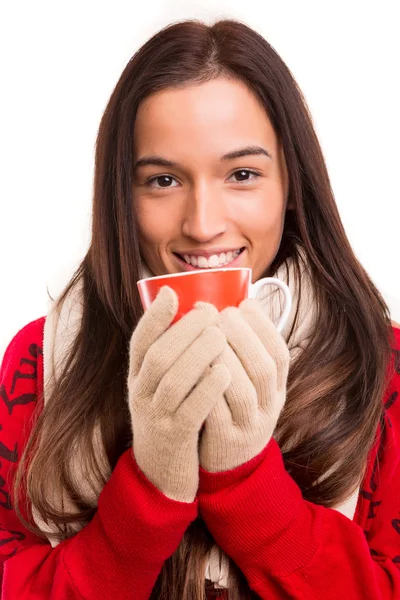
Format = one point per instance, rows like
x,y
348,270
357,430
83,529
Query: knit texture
x,y
244,418
169,396
255,513
62,325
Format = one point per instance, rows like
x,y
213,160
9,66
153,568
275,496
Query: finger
x,y
174,343
241,396
186,372
258,364
198,405
219,420
271,339
222,439
152,325
218,426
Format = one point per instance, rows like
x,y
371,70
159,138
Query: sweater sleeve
x,y
121,551
290,548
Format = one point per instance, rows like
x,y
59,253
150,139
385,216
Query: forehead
x,y
214,116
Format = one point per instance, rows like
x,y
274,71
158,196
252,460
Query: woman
x,y
206,156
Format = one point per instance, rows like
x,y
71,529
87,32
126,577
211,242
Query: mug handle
x,y
255,287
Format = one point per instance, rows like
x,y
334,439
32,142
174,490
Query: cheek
x,y
260,219
155,222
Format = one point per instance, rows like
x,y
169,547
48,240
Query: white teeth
x,y
213,262
202,262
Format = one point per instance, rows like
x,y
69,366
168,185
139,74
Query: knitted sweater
x,y
286,547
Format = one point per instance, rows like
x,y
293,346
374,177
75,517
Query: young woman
x,y
110,486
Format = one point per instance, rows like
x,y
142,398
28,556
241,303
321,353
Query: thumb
x,y
154,322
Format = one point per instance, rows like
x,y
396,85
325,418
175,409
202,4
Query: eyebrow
x,y
163,162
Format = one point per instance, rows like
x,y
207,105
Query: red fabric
x,y
286,547
120,552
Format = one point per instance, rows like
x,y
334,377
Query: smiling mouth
x,y
213,262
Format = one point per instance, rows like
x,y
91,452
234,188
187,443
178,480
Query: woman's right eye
x,y
165,179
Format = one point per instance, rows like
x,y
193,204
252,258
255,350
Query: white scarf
x,y
61,326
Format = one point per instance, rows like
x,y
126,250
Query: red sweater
x,y
287,547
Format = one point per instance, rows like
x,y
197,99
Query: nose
x,y
204,216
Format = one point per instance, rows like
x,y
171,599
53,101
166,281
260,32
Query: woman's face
x,y
211,180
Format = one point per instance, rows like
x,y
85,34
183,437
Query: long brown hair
x,y
335,386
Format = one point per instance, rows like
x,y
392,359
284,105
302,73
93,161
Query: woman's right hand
x,y
171,390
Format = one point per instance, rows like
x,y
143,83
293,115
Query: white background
x,y
60,62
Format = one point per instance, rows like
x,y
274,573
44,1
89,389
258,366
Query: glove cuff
x,y
213,482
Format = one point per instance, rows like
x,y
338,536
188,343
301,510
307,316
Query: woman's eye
x,y
242,176
164,180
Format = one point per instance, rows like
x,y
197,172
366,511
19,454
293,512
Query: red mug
x,y
220,287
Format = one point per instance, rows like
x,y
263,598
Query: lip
x,y
185,267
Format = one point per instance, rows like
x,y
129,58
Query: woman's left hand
x,y
244,418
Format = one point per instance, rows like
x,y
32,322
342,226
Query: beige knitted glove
x,y
172,388
244,418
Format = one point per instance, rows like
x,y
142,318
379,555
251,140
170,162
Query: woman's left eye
x,y
244,173
166,180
